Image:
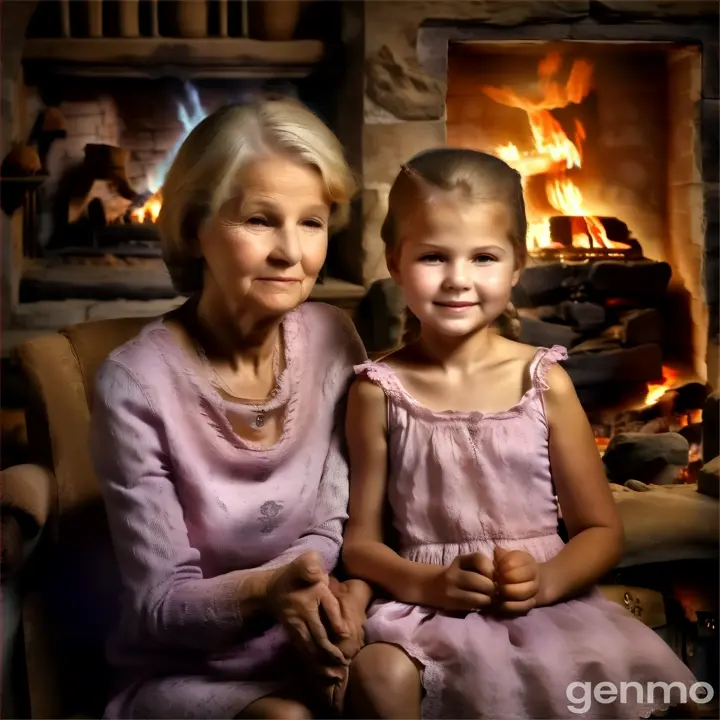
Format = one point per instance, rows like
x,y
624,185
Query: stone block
x,y
49,315
386,147
629,10
640,327
649,458
617,366
76,109
710,71
374,209
585,316
405,92
710,118
379,316
546,334
709,478
711,427
111,310
546,284
644,280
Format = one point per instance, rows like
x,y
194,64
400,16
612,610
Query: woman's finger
x,y
519,591
320,638
331,606
301,635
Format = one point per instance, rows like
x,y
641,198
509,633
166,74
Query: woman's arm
x,y
589,512
159,568
365,555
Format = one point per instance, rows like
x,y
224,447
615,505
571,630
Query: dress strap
x,y
380,374
542,362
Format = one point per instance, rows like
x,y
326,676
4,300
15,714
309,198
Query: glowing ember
x,y
149,211
656,391
554,153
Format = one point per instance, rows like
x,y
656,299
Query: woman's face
x,y
265,247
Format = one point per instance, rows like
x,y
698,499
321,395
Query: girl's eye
x,y
431,258
484,259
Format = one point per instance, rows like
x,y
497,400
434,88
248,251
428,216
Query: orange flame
x,y
149,211
656,390
553,152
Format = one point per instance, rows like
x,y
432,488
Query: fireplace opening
x,y
605,138
112,142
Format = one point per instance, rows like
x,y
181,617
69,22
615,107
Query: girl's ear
x,y
391,260
516,276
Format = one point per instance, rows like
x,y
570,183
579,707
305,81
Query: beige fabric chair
x,y
71,589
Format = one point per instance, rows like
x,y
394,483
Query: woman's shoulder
x,y
329,329
143,359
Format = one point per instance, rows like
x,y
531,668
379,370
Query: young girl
x,y
472,439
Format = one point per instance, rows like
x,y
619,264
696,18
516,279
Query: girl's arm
x,y
589,511
365,555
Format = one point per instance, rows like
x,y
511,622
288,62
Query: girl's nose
x,y
457,277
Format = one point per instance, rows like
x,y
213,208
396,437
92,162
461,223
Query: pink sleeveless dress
x,y
462,482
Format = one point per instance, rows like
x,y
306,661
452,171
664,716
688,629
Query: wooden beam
x,y
206,52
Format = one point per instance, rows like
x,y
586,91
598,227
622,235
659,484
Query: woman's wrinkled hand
x,y
300,597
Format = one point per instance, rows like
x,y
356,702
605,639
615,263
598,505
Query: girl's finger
x,y
522,574
519,591
517,608
474,582
464,600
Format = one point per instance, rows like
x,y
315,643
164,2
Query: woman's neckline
x,y
205,388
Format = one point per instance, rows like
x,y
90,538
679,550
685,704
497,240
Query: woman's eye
x,y
314,223
258,221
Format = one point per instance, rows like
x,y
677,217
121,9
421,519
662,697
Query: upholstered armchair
x,y
58,565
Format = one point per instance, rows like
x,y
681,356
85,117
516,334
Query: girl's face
x,y
264,249
456,265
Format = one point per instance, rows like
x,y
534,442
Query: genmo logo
x,y
582,694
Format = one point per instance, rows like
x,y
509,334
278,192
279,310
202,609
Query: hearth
x,y
596,131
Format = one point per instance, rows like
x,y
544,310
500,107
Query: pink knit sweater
x,y
188,502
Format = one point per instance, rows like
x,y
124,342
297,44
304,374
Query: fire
x,y
656,391
189,115
149,211
554,153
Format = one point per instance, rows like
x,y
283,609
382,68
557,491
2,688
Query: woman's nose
x,y
287,249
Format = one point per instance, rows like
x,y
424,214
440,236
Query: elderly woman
x,y
216,434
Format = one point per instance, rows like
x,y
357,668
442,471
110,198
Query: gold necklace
x,y
259,412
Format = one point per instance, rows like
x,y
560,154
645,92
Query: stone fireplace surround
x,y
406,56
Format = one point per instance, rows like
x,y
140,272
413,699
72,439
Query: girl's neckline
x,y
458,415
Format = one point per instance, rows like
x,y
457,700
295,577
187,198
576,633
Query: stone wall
x,y
405,87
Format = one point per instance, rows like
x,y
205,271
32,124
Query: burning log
x,y
658,459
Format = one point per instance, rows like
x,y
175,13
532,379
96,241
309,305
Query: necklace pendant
x,y
259,421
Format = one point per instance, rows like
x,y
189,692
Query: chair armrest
x,y
26,493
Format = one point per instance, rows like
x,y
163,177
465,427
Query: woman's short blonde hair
x,y
204,172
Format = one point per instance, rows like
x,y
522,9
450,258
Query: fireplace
x,y
599,134
94,116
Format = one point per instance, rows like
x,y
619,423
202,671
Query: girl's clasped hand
x,y
508,584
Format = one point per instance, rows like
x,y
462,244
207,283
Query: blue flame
x,y
189,115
